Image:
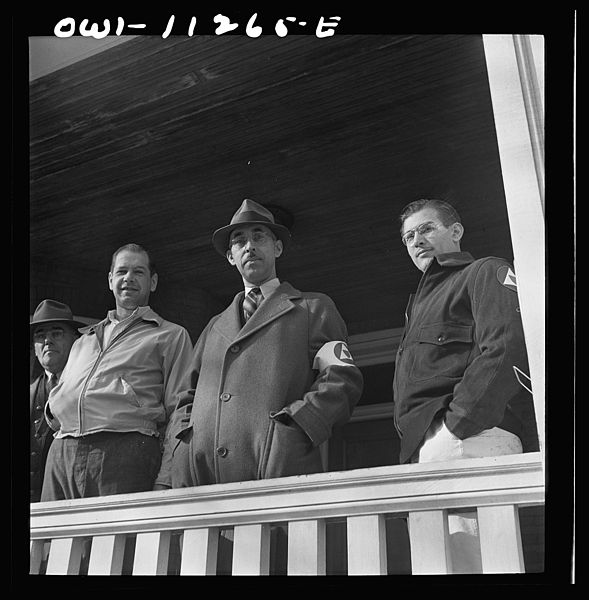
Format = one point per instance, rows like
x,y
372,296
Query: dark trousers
x,y
100,464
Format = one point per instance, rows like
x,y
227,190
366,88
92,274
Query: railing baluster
x,y
37,547
367,551
306,547
65,555
151,553
501,546
425,492
106,556
251,549
428,534
199,551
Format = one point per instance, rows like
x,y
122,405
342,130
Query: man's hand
x,y
159,486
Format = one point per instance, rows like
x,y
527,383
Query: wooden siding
x,y
158,141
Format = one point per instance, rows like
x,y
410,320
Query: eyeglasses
x,y
40,336
425,229
257,237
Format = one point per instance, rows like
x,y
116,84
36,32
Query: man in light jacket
x,y
270,376
117,391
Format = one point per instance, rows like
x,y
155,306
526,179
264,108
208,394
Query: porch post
x,y
515,65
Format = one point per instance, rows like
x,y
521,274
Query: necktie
x,y
52,382
250,302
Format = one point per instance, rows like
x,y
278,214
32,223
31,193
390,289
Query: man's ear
x,y
154,280
278,248
109,280
457,232
229,257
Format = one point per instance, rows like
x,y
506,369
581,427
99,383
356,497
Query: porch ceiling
x,y
158,141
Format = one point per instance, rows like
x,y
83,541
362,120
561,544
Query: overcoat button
x,y
225,396
222,451
234,348
441,338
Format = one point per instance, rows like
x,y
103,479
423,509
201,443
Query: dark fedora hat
x,y
52,311
249,213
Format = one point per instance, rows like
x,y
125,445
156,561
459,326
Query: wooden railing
x,y
423,494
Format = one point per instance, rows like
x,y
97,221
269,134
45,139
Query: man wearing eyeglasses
x,y
456,390
53,331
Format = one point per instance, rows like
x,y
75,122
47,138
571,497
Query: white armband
x,y
331,354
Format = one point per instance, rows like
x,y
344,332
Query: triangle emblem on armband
x,y
507,278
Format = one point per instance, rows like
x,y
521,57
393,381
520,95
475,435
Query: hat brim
x,y
221,236
75,324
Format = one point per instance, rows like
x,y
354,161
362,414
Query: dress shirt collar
x,y
138,312
49,374
267,288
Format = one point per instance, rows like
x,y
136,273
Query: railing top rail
x,y
516,479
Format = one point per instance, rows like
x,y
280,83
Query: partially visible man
x,y
456,392
53,331
117,391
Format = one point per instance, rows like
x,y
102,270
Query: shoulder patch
x,y
507,278
333,353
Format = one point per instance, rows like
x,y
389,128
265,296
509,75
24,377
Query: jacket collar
x,y
273,307
146,315
454,259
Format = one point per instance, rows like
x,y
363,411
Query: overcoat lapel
x,y
276,305
35,390
229,322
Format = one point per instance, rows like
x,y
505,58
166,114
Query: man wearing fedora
x,y
270,376
117,391
53,331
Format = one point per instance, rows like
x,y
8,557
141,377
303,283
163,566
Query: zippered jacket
x,y
129,385
461,351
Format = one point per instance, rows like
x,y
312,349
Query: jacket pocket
x,y
129,392
266,448
441,350
183,438
289,451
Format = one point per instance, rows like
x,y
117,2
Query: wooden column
x,y
514,64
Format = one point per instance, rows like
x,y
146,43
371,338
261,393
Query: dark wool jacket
x,y
249,384
41,436
462,338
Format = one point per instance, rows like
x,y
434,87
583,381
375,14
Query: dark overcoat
x,y
264,396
